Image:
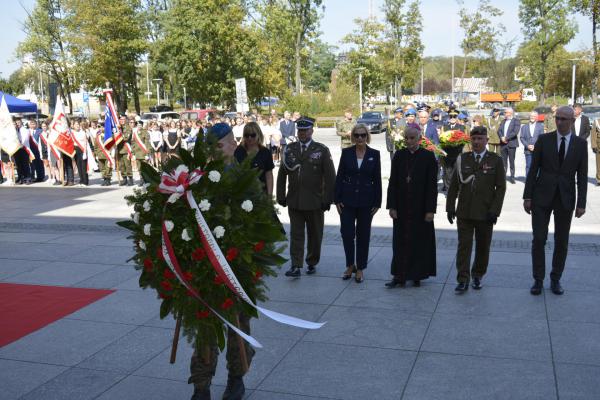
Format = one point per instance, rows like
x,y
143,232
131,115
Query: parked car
x,y
197,113
374,120
161,108
159,116
592,112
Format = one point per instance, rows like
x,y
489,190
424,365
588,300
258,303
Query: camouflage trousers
x,y
105,169
124,165
204,360
494,148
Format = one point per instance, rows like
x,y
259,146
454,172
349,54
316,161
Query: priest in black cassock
x,y
412,201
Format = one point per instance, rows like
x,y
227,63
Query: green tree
x,y
482,33
321,62
48,42
591,8
547,26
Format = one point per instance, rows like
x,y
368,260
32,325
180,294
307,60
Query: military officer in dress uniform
x,y
123,151
344,127
140,145
395,126
493,124
448,161
595,140
103,156
309,168
479,182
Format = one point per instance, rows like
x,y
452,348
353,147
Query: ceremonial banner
x,y
9,141
112,132
60,134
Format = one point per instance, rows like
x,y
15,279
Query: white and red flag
x,y
9,140
60,134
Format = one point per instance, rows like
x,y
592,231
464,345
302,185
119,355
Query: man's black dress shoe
x,y
395,282
311,269
201,394
461,287
537,288
235,389
512,180
476,284
294,272
417,283
556,288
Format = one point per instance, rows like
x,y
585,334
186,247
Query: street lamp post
x,y
158,81
574,60
184,98
360,94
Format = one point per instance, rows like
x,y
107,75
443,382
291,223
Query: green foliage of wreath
x,y
251,241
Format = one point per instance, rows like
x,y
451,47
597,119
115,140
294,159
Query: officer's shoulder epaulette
x,y
321,145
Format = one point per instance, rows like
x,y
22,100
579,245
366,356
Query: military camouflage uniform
x,y
549,123
122,156
343,127
138,153
493,124
103,162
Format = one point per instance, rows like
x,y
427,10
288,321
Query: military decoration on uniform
x,y
204,239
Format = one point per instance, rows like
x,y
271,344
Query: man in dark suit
x,y
509,141
558,157
581,127
428,127
287,128
529,135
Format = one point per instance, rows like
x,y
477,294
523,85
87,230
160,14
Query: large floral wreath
x,y
243,226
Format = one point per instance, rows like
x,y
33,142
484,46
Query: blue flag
x,y
109,129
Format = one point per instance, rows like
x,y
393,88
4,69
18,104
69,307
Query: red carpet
x,y
27,308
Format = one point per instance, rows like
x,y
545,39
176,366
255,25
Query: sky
x,y
337,21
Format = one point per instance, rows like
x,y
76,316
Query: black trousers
x,y
356,223
508,155
540,218
37,166
23,167
81,166
68,169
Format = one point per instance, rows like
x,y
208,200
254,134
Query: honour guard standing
x,y
493,124
344,127
105,160
123,155
395,126
140,145
309,168
479,182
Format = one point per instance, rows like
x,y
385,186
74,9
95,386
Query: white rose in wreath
x,y
147,229
204,205
181,168
219,232
185,235
142,246
136,218
214,176
247,205
169,225
146,206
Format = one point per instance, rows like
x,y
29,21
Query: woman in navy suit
x,y
357,198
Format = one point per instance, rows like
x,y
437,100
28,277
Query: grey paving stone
x,y
584,278
574,306
142,388
371,327
510,258
487,336
28,237
116,240
18,378
39,251
160,366
379,267
64,342
575,342
110,278
264,327
75,384
494,302
122,306
59,273
10,268
375,295
263,395
306,289
505,275
131,351
132,283
104,255
341,372
578,382
455,377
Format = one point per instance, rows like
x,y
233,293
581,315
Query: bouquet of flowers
x,y
204,236
424,143
454,138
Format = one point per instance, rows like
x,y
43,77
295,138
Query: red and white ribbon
x,y
177,185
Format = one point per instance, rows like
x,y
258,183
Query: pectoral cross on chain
x,y
408,179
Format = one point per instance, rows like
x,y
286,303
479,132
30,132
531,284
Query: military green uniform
x,y
103,163
549,123
137,151
122,156
480,189
204,360
493,124
342,129
310,190
595,140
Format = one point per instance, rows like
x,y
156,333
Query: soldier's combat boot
x,y
130,181
108,182
201,394
123,182
103,182
235,388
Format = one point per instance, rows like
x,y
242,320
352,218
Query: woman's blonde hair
x,y
253,127
360,128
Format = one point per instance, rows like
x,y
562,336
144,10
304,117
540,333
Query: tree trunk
x,y
462,81
297,61
595,11
136,96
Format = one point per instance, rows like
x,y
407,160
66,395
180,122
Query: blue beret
x,y
462,116
410,111
219,131
305,123
398,110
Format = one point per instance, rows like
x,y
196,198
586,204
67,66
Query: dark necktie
x,y
561,150
303,147
478,158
